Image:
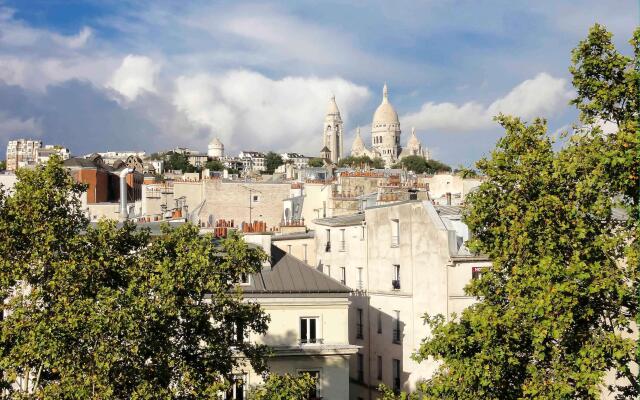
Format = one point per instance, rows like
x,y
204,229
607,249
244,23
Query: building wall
x,y
285,313
230,201
299,248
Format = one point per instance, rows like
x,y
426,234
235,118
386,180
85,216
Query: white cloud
x,y
75,41
135,75
541,96
245,108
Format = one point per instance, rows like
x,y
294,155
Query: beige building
x,y
309,327
402,260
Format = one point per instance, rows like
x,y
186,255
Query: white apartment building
x,y
309,327
401,260
256,158
26,152
298,160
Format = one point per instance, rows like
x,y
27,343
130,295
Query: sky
x,y
149,75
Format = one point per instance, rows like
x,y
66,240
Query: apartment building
x,y
309,327
401,260
25,153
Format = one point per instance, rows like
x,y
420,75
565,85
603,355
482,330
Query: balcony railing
x,y
395,284
342,246
360,285
395,241
359,331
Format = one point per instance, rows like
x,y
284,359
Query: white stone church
x,y
385,135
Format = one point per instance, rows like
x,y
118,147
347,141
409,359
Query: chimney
x,y
124,213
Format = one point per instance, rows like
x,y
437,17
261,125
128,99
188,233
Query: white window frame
x,y
318,339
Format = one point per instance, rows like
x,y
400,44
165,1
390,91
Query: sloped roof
x,y
341,220
293,277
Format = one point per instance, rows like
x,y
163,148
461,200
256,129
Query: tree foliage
x,y
284,387
272,161
556,306
3,165
316,162
214,165
419,165
362,161
175,161
108,312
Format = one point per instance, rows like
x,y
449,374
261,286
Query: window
x,y
395,233
314,391
244,279
379,368
327,246
304,248
343,275
289,248
379,321
342,245
476,272
360,282
397,333
238,331
308,330
362,232
396,376
238,389
360,361
395,281
359,324
256,198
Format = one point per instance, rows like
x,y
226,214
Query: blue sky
x,y
102,75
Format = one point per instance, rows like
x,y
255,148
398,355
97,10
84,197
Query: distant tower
x,y
333,131
385,130
216,149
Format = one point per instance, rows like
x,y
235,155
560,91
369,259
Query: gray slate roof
x,y
292,276
341,220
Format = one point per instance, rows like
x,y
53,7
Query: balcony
x,y
359,331
342,246
395,241
395,284
360,285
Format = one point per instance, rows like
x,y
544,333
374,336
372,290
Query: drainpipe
x,y
123,192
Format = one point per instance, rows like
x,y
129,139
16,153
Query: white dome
x,y
216,143
385,113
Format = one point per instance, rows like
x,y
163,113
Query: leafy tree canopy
x,y
419,165
107,312
356,162
284,387
178,162
3,165
316,162
272,161
214,165
557,304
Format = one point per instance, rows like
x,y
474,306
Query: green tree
x,y
316,162
214,165
419,165
3,165
106,312
284,387
178,162
356,162
555,303
272,161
